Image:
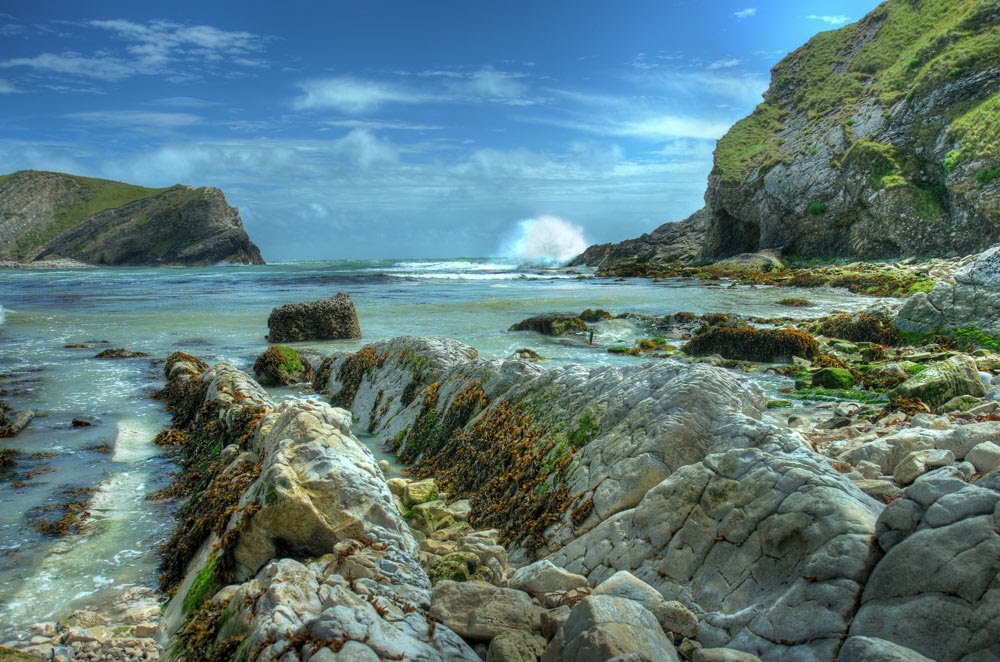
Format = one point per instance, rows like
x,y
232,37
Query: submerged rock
x,y
552,325
328,319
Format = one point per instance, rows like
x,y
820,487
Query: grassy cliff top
x,y
91,196
902,50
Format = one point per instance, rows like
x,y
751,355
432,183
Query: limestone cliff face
x,y
877,140
46,215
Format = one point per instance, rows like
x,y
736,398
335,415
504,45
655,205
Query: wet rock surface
x,y
327,319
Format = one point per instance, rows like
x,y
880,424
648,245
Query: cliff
x,y
877,140
44,215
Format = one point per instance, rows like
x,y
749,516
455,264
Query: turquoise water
x,y
220,313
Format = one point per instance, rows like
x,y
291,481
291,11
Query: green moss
x,y
587,429
778,404
291,362
833,378
816,208
951,160
978,129
834,395
916,368
988,175
204,587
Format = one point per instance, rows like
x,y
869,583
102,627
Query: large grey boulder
x,y
972,301
602,627
327,319
481,611
671,615
871,649
937,589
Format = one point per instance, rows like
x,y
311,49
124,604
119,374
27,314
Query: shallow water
x,y
220,313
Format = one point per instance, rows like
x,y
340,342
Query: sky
x,y
373,129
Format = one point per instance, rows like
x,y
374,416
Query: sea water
x,y
220,314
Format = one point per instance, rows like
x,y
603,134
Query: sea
x,y
220,314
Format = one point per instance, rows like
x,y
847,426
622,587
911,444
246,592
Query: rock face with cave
x,y
862,148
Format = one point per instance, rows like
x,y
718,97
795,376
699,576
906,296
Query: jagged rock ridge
x,y
877,140
44,215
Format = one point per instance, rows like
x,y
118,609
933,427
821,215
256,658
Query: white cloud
x,y
7,88
183,102
379,125
839,19
745,13
361,195
353,95
180,52
75,64
137,119
725,64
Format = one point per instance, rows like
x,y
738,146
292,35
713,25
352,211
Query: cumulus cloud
x,y
745,13
838,19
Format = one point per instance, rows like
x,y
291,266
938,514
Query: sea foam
x,y
545,241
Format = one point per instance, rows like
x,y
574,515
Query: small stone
x,y
384,467
544,577
146,630
420,491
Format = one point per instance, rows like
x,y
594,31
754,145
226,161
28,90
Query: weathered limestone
x,y
321,496
937,589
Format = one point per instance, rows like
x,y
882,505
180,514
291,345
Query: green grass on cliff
x,y
100,194
901,50
978,130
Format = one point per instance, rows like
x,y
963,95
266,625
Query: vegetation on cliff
x,y
46,215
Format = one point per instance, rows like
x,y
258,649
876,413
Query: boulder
x,y
459,567
544,577
328,319
279,365
722,655
601,627
934,591
515,646
985,457
942,381
837,378
872,649
971,302
480,611
920,462
552,325
672,616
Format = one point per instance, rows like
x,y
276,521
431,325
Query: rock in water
x,y
328,319
47,215
281,366
552,325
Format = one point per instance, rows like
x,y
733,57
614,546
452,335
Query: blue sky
x,y
363,128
